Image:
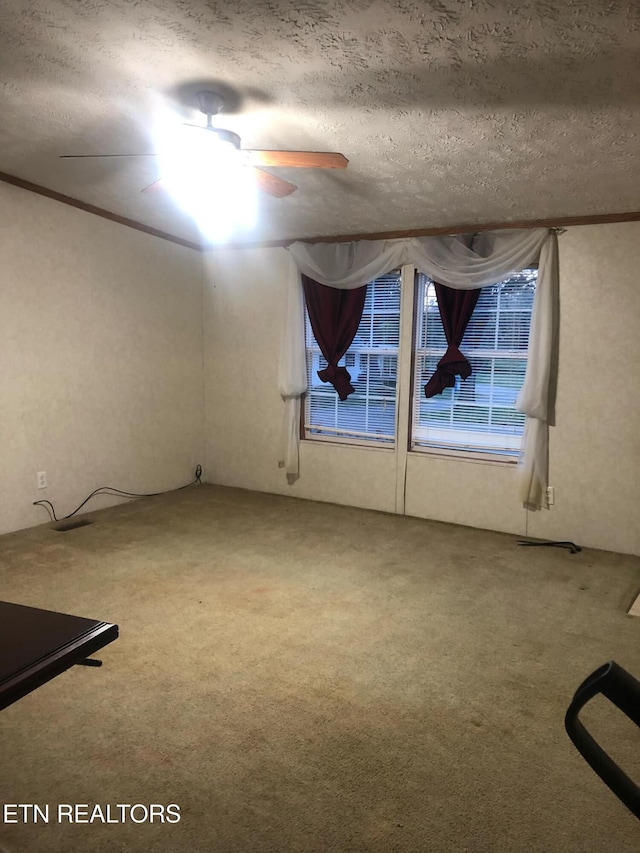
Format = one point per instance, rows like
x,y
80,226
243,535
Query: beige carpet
x,y
303,677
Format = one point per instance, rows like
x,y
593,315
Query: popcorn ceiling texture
x,y
449,112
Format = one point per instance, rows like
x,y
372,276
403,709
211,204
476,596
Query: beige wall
x,y
595,445
101,358
595,448
102,380
243,309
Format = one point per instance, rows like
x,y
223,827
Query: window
x,y
477,415
476,418
368,415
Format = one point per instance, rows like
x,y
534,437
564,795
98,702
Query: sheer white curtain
x,y
493,257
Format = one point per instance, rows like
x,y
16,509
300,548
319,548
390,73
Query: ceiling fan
x,y
210,104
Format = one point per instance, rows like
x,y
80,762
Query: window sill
x,y
466,456
349,443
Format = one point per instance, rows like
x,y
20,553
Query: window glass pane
x,y
478,414
432,321
368,415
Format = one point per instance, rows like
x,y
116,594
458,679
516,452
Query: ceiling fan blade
x,y
94,156
274,185
305,159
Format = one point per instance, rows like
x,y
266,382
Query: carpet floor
x,y
299,677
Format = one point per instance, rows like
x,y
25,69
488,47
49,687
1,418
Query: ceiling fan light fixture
x,y
206,174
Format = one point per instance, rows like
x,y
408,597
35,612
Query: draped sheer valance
x,y
459,263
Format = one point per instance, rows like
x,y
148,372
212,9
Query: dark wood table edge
x,y
21,683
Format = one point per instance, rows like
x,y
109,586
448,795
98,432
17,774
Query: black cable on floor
x,y
571,546
110,490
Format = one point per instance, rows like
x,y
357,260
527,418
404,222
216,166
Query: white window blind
x,y
478,415
368,415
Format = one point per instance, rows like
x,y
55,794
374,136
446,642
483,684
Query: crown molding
x,y
556,222
96,211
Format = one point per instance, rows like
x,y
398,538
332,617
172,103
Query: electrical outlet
x,y
42,479
551,497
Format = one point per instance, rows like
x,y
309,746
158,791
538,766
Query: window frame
x,y
481,455
353,440
403,443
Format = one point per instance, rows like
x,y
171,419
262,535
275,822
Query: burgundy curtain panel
x,y
456,308
335,316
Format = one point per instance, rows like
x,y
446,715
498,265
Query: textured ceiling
x,y
449,112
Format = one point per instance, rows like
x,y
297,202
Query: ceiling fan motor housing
x,y
210,103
